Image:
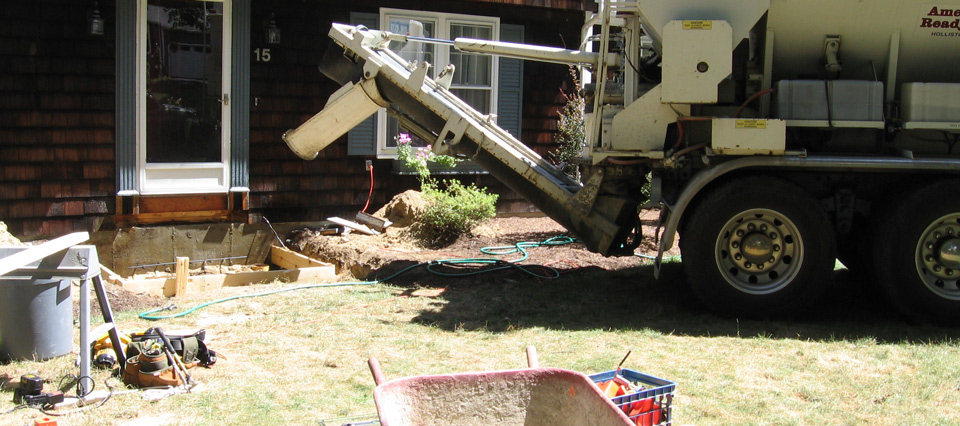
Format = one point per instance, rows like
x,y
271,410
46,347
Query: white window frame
x,y
442,28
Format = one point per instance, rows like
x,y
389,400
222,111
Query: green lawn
x,y
300,357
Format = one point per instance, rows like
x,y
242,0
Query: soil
x,y
7,239
121,300
369,257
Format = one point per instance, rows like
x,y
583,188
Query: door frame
x,y
184,178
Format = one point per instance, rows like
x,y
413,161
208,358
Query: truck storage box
x,y
931,102
850,100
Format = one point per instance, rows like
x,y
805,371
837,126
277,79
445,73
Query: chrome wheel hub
x,y
938,257
759,251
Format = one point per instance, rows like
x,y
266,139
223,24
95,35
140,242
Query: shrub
x,y
571,133
452,210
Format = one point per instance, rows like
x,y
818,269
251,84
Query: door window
x,y
184,140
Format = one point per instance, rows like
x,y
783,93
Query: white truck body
x,y
779,136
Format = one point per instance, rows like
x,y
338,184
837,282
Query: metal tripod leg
x,y
108,319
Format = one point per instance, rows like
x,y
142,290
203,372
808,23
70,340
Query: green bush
x,y
571,133
452,210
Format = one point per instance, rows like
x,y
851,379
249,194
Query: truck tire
x,y
918,258
757,247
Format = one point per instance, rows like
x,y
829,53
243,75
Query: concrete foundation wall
x,y
125,250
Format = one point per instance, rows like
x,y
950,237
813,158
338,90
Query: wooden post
x,y
182,271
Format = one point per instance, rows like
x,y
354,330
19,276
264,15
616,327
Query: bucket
x,y
35,319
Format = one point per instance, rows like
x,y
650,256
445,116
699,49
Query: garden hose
x,y
432,267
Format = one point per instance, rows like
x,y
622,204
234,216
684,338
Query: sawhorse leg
x,y
85,355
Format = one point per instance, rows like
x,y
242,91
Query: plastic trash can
x,y
36,318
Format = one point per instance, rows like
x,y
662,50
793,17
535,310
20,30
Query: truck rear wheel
x,y
756,247
919,256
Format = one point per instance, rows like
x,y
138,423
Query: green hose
x,y
521,248
146,315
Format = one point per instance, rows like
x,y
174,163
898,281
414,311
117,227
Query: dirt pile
x,y
357,255
6,238
405,209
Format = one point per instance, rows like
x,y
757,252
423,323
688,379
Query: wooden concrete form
x,y
296,267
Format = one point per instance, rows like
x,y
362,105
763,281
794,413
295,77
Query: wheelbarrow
x,y
529,397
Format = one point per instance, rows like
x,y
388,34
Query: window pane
x,y
472,69
394,130
184,40
479,99
412,51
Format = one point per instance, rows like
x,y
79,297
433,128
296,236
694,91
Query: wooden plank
x,y
166,287
183,203
110,276
289,259
182,271
147,218
36,253
353,225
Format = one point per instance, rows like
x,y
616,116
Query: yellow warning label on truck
x,y
751,124
698,25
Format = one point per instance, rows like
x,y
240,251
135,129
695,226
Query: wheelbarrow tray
x,y
527,397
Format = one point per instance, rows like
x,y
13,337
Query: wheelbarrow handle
x,y
375,370
532,360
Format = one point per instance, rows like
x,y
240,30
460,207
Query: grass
x,y
300,357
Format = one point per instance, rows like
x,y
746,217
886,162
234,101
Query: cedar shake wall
x,y
56,117
289,89
57,113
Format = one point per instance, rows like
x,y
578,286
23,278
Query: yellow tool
x,y
102,348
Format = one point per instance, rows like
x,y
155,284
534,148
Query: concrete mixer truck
x,y
776,136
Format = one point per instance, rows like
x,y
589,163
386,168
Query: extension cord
x,y
90,398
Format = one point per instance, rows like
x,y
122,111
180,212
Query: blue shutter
x,y
240,98
126,97
510,93
362,139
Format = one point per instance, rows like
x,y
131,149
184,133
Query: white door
x,y
183,130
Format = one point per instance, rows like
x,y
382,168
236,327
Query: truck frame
x,y
775,136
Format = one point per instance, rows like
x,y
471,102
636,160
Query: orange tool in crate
x,y
646,400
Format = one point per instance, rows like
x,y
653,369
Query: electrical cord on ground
x,y
77,381
84,407
433,267
19,407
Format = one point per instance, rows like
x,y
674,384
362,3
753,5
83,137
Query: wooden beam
x,y
110,276
149,218
182,271
183,203
289,259
353,225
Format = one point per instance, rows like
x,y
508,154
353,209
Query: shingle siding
x,y
59,116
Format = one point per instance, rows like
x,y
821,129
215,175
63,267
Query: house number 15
x,y
263,55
